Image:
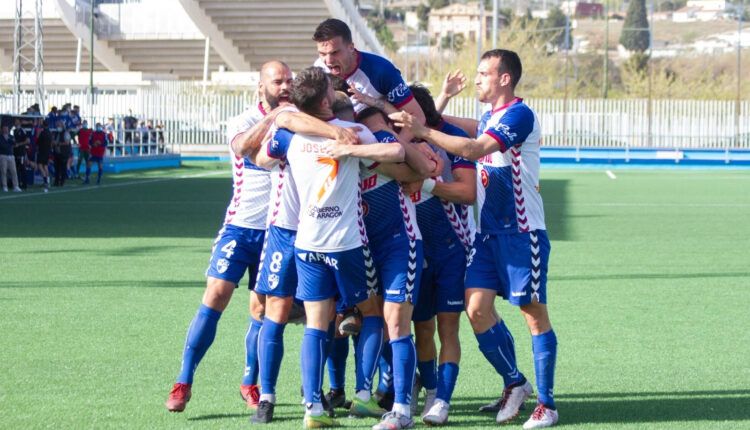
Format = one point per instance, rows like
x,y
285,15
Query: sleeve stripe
x,y
499,139
404,101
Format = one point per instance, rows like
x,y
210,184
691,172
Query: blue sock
x,y
427,374
251,353
336,363
385,367
99,175
545,352
313,351
404,368
88,173
200,336
369,345
270,353
447,376
497,346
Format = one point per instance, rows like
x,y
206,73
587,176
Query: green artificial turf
x,y
649,287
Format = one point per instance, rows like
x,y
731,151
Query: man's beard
x,y
273,102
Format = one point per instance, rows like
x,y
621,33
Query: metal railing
x,y
190,117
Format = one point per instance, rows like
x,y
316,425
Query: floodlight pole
x,y
606,52
91,61
738,101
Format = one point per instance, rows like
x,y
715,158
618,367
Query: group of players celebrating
x,y
372,229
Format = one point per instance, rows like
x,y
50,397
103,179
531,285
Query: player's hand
x,y
348,135
336,150
405,120
410,188
425,149
359,97
454,83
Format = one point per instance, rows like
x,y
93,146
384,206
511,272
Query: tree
x,y
635,31
554,26
383,33
423,13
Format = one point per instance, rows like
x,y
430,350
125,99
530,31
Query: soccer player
x,y
238,245
331,235
447,231
84,147
511,249
368,73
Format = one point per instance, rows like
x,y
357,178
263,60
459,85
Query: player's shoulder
x,y
385,136
519,111
374,65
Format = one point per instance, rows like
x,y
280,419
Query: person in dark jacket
x,y
43,149
62,150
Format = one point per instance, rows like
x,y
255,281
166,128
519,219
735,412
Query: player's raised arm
x,y
453,84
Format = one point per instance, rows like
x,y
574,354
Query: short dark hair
x,y
372,111
331,28
510,63
309,88
339,83
424,99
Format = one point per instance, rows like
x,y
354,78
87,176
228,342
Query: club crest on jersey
x,y
485,178
222,265
273,281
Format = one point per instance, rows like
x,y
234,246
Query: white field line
x,y
610,174
100,187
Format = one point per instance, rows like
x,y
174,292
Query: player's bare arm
x,y
380,152
248,142
471,149
463,188
302,123
453,84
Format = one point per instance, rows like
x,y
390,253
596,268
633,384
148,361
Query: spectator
x,y
22,143
52,117
129,123
43,148
109,129
7,161
62,151
160,137
143,133
84,147
98,148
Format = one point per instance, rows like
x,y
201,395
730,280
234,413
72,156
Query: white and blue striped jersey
x,y
387,211
508,199
376,77
252,184
440,221
330,218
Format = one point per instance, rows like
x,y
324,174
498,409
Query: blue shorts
x,y
325,275
514,265
236,250
442,287
278,272
94,159
399,267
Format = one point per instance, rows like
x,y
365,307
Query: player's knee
x,y
218,293
424,332
257,306
448,326
277,309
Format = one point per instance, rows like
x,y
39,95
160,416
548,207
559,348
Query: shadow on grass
x,y
216,417
555,197
646,407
